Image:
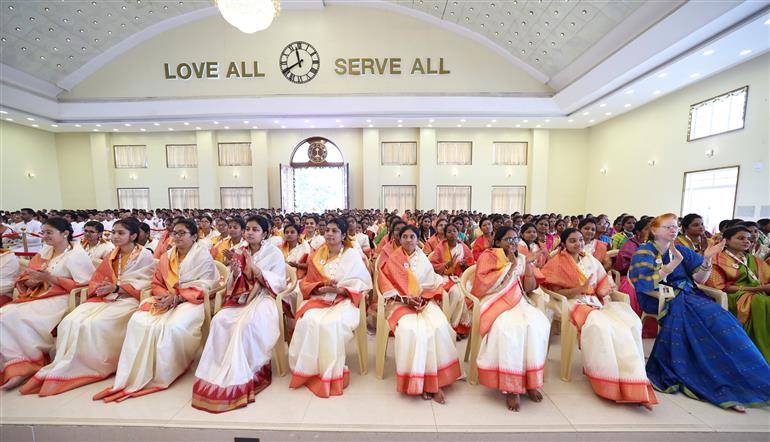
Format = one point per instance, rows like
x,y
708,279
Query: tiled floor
x,y
372,406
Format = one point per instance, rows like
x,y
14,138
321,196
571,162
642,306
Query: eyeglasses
x,y
180,233
510,239
671,227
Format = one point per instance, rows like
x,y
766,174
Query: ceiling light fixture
x,y
708,52
249,16
744,52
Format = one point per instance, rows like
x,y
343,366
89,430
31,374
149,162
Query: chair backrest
x,y
375,276
224,272
291,275
468,275
613,253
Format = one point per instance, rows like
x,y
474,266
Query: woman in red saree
x,y
449,259
484,241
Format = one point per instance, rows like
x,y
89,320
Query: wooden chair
x,y
559,304
76,294
474,339
383,326
666,293
279,351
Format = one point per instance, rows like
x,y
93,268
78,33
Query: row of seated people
x,y
702,349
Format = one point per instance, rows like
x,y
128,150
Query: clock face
x,y
299,62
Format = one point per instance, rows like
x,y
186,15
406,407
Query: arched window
x,y
316,151
316,178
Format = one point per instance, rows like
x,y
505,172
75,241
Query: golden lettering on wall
x,y
389,66
210,69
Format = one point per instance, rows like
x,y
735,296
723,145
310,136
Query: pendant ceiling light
x,y
249,16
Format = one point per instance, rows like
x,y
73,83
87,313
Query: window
x,y
130,157
454,152
236,197
453,198
183,198
718,115
181,155
401,198
710,194
399,153
235,154
134,198
508,199
509,153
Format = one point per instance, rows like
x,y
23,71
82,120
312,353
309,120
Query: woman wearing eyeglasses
x,y
701,350
164,335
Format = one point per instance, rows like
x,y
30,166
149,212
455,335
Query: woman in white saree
x,y
163,336
89,339
336,280
235,365
26,322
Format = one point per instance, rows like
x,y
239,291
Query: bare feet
x,y
439,396
14,382
647,406
512,399
427,396
535,395
739,408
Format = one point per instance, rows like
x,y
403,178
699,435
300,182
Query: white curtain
x,y
236,197
130,157
183,198
710,194
235,154
133,198
399,197
508,199
453,198
510,153
181,155
720,114
454,152
395,153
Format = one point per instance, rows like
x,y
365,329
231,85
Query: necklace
x,y
743,261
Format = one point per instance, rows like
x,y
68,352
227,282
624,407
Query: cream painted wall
x,y
659,131
73,152
335,32
567,171
23,150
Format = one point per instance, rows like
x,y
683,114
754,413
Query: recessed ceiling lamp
x,y
249,16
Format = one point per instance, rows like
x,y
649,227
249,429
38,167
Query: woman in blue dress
x,y
701,350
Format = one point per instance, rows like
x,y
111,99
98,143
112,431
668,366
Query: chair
x,y
279,351
559,304
72,297
474,340
383,326
666,293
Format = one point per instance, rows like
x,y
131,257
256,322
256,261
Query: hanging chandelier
x,y
249,16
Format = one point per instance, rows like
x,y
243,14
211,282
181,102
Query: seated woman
x,y
295,250
434,240
9,271
545,239
484,241
623,262
746,280
693,234
701,349
164,335
165,241
336,279
235,364
610,334
627,224
514,333
93,243
528,244
207,234
27,321
593,246
426,231
145,239
225,249
426,357
393,241
89,339
449,259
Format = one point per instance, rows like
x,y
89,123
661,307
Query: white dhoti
x,y
26,342
317,350
157,350
235,364
87,347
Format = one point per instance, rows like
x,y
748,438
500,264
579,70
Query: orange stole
x,y
562,272
43,290
380,246
218,248
162,248
479,246
430,244
600,250
395,274
106,272
166,280
489,270
315,279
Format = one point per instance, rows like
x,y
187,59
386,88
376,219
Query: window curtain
x,y
134,199
510,153
236,197
401,198
183,198
235,154
454,198
454,153
181,155
394,153
508,199
718,115
130,157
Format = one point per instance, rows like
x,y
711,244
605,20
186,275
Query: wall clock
x,y
299,62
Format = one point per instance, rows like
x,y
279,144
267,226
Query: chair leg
x,y
474,343
383,330
551,334
568,339
363,348
468,346
281,359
